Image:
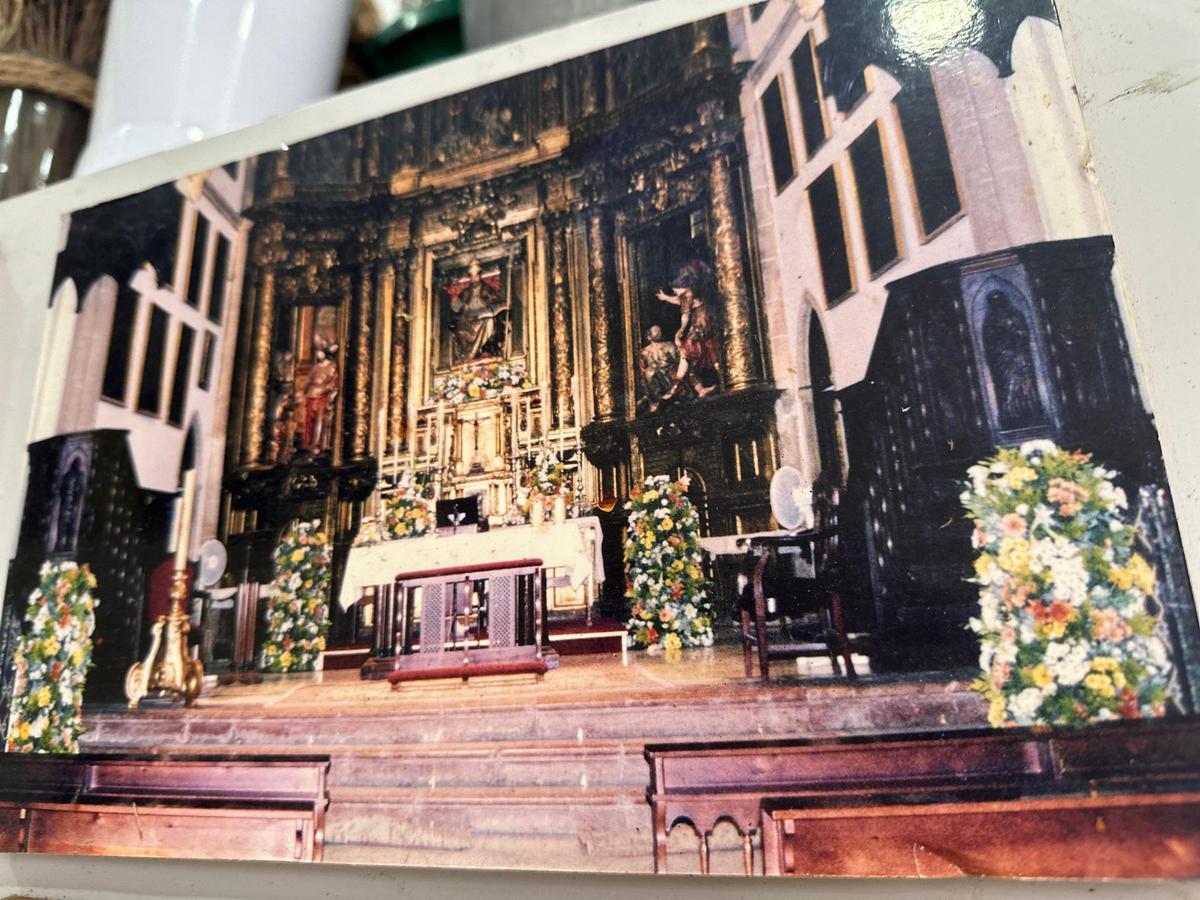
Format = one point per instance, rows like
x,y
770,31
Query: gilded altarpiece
x,y
562,261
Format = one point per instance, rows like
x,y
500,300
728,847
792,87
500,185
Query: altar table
x,y
573,546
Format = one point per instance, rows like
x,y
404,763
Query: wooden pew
x,y
1139,831
706,783
198,807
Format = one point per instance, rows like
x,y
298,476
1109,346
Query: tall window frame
x,y
875,189
777,133
832,235
815,127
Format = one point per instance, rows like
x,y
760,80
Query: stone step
x,y
455,818
596,853
502,764
704,717
596,830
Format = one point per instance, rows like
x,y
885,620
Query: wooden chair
x,y
768,633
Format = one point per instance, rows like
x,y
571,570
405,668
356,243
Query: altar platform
x,y
508,772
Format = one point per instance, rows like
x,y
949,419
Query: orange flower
x,y
1107,625
1067,495
1015,594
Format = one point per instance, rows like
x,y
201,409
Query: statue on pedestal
x,y
658,362
283,408
319,396
699,357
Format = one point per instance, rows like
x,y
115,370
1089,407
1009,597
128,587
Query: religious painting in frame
x,y
645,462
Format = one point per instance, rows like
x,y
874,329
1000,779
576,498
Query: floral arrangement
x,y
664,579
547,477
298,614
480,382
1066,633
51,662
406,513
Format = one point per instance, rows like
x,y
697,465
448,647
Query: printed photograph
x,y
719,453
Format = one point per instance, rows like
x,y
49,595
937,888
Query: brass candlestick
x,y
167,669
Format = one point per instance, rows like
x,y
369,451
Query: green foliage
x,y
664,578
52,660
298,614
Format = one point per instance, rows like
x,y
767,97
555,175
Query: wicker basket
x,y
49,51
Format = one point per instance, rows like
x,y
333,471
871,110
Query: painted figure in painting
x,y
658,361
474,311
319,396
699,359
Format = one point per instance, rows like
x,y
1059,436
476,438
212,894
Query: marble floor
x,y
594,677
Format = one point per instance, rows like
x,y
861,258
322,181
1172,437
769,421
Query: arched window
x,y
825,408
188,458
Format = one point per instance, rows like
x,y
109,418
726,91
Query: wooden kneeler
x,y
535,666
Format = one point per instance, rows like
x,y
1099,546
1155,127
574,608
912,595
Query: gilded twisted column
x,y
260,372
742,366
560,323
604,344
398,383
360,433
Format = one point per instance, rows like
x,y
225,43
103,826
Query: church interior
x,y
464,352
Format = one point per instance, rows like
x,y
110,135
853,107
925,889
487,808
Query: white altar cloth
x,y
574,546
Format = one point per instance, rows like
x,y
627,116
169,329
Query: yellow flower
x,y
1105,664
77,656
672,642
286,659
1122,578
1019,476
1142,574
667,524
996,712
1014,555
1100,683
984,564
23,731
43,696
1052,629
297,555
50,645
1039,675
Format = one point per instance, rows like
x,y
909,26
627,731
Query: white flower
x,y
1025,632
979,477
1025,705
1039,446
1068,661
1043,517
